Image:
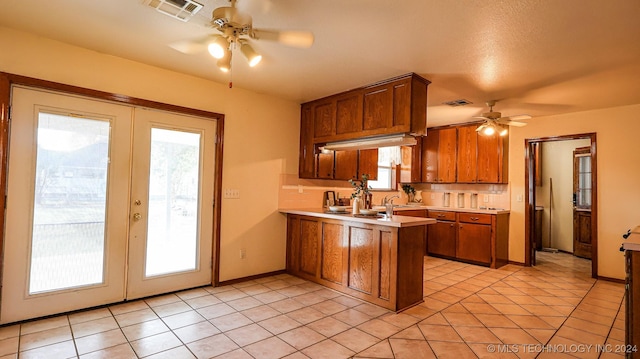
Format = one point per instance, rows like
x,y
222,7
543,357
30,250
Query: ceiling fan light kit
x,y
218,47
495,123
234,27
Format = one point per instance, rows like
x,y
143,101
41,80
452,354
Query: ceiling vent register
x,y
182,10
456,103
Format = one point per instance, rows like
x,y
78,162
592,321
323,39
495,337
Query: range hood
x,y
369,143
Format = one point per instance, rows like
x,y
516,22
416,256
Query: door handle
x,y
137,216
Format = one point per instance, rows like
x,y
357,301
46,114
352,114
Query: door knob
x,y
137,216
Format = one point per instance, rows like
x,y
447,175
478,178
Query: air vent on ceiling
x,y
460,102
182,10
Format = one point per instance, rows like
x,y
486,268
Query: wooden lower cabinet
x,y
442,239
632,320
476,238
379,264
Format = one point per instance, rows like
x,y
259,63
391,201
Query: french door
x,y
105,202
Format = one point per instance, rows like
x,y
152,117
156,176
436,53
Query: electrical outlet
x,y
433,196
231,193
486,198
300,190
519,198
243,253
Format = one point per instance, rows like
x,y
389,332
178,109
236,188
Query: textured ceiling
x,y
538,57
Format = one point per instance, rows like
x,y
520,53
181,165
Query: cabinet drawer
x,y
474,218
443,215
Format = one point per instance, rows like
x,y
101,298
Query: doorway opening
x,y
561,197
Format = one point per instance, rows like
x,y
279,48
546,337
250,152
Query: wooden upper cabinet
x,y
411,166
378,108
306,162
325,165
467,163
324,119
349,113
393,106
489,158
368,163
346,165
402,104
447,147
430,156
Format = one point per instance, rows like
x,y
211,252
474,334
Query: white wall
x,y
557,168
260,139
618,158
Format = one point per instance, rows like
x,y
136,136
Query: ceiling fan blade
x,y
301,39
504,121
516,124
481,127
518,117
481,117
193,46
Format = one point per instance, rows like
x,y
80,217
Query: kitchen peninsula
x,y
379,260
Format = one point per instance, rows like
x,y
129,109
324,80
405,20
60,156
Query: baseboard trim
x,y
517,263
251,277
609,279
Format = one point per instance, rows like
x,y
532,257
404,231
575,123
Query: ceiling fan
x,y
235,29
494,122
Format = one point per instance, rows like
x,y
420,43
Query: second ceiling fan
x,y
495,123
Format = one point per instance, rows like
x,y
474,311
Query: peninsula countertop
x,y
395,221
632,243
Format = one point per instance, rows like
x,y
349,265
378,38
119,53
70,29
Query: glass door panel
x,y
66,230
69,211
172,234
171,224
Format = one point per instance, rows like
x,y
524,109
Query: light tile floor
x,y
552,310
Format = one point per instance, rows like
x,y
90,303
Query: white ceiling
x,y
538,57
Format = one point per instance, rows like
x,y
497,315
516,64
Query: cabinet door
x,y
293,243
324,118
402,105
441,238
377,107
309,245
325,162
474,242
306,163
332,252
467,163
349,113
447,155
368,163
411,168
490,159
346,165
430,156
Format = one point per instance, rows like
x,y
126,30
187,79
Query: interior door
x,y
65,235
582,194
171,206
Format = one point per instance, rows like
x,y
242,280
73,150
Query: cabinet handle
x,y
451,224
440,215
475,218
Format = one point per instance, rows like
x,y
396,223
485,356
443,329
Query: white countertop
x,y
394,221
632,243
453,209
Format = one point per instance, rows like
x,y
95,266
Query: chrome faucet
x,y
388,199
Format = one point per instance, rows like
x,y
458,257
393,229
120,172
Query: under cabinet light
x,y
376,142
